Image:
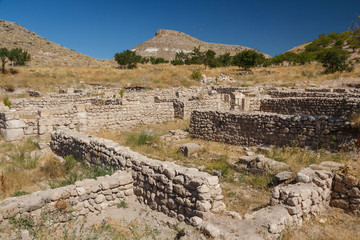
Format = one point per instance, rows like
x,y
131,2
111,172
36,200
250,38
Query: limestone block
x,y
354,192
15,124
189,148
211,230
203,206
99,199
340,203
10,135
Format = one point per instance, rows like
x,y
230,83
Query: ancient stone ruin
x,y
314,117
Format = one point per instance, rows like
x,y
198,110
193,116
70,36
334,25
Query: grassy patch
x,y
122,204
140,138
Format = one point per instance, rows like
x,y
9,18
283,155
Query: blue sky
x,y
102,28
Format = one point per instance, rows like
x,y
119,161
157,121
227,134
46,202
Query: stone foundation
x,y
177,191
87,196
266,128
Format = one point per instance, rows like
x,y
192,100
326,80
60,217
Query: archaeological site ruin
x,y
309,118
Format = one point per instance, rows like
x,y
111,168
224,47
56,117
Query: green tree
x,y
19,56
180,58
209,59
354,42
4,54
197,57
158,60
225,59
334,59
127,59
247,59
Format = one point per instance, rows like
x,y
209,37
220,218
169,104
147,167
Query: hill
x,y
42,51
166,43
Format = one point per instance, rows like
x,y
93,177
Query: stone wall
x,y
175,190
346,193
268,128
312,106
330,93
309,195
40,116
87,196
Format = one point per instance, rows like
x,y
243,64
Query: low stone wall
x,y
87,196
328,93
310,195
177,191
346,193
312,106
255,129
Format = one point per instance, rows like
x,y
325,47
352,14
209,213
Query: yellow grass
x,y
333,224
164,76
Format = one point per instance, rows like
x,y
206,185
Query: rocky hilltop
x,y
166,43
42,51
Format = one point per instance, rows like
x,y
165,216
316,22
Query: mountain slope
x,y
166,43
42,51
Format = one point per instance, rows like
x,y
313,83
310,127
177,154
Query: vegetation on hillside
x,y
332,50
16,56
245,59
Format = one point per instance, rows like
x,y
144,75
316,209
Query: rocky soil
x,y
42,51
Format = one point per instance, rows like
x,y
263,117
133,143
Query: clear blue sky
x,y
104,27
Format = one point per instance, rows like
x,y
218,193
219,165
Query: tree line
x,y
17,57
326,49
245,59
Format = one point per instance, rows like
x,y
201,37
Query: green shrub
x,y
334,59
6,101
196,75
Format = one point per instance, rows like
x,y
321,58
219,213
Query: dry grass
x,y
298,158
334,224
164,76
21,170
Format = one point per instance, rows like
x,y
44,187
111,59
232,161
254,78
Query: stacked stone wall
x,y
310,195
82,198
346,193
285,93
175,190
312,106
268,128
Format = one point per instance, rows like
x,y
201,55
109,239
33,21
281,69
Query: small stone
x,y
25,235
300,177
235,215
99,199
211,230
195,221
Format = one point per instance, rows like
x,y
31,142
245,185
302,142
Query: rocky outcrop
x,y
166,43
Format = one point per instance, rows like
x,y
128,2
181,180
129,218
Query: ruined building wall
x,y
327,92
312,106
346,193
267,128
175,190
87,196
